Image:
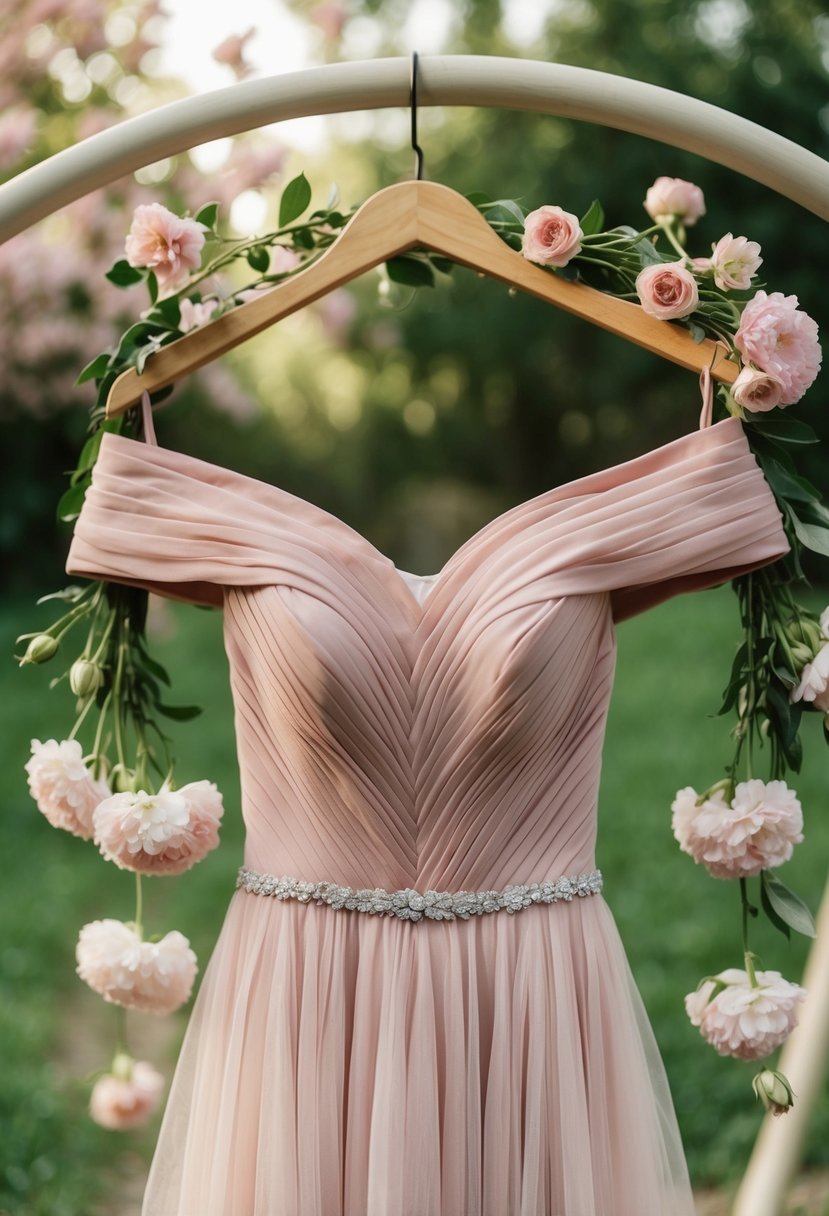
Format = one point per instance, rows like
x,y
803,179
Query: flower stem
x,y
139,905
747,955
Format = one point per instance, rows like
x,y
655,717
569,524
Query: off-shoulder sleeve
x,y
692,514
176,525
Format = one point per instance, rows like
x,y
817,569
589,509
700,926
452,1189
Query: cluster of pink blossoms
x,y
778,342
161,833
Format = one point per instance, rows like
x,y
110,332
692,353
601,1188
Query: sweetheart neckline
x,y
416,607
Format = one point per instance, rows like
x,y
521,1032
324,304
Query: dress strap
x,y
147,419
707,389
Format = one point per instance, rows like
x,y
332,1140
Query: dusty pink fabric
x,y
445,732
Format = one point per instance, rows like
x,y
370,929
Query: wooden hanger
x,y
414,215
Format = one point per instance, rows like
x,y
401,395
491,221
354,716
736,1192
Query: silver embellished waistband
x,y
409,904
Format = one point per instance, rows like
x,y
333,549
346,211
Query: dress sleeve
x,y
692,514
172,524
701,513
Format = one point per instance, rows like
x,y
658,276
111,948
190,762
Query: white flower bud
x,y
40,649
85,678
774,1091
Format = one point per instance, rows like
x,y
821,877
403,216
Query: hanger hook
x,y
416,148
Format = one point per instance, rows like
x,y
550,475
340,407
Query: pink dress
x,y
404,1053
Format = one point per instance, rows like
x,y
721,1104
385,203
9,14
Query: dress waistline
x,y
408,904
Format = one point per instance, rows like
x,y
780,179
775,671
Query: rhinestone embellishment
x,y
408,904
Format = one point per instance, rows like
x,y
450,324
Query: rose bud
x,y
85,678
41,648
774,1091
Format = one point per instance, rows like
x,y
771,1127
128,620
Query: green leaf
x,y
444,265
124,275
152,287
181,713
813,536
786,484
154,667
768,908
94,369
478,199
259,258
410,271
69,506
593,219
144,353
788,906
89,453
784,430
508,205
295,198
207,214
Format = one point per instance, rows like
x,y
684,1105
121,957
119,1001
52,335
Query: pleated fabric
x,y
434,732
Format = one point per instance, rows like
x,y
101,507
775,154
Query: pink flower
x,y
780,339
329,17
164,242
127,1096
193,313
667,290
735,261
156,977
758,831
742,1021
757,391
814,680
672,198
284,260
163,833
551,236
232,52
63,787
17,131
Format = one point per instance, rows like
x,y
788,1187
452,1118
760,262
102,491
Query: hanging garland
x,y
120,790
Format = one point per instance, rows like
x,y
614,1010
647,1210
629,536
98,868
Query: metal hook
x,y
416,148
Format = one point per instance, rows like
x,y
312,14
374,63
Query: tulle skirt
x,y
344,1064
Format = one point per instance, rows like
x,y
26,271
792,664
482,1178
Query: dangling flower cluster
x,y
738,828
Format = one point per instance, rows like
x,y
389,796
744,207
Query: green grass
x,y
677,923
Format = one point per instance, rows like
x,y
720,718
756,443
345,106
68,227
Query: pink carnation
x,y
749,1023
156,977
758,831
551,236
735,261
163,833
780,339
63,787
123,1102
814,680
667,290
166,243
672,198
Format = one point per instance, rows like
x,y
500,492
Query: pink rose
x,y
781,340
757,391
672,198
193,313
126,1097
735,261
166,243
742,1021
63,787
156,977
551,236
163,833
757,831
667,290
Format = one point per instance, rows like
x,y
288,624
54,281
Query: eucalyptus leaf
x,y
788,906
295,198
768,908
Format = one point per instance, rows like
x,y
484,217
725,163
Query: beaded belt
x,y
408,904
